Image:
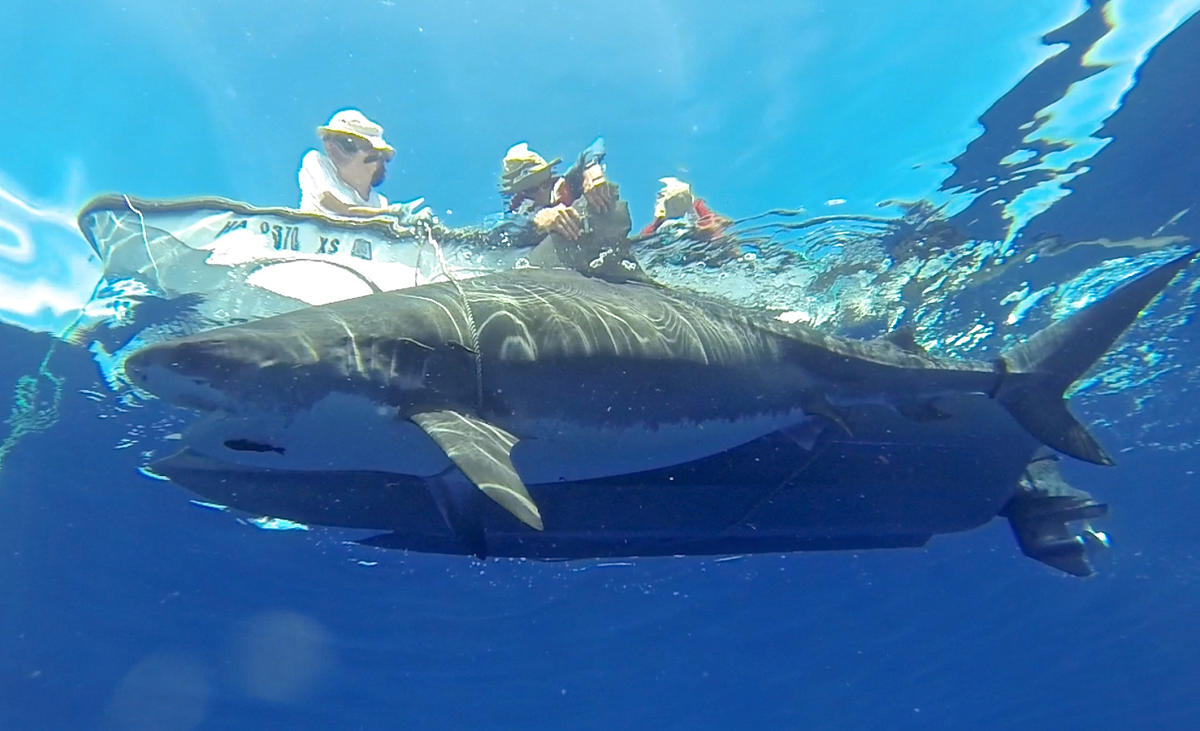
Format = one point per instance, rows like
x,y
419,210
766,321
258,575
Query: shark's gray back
x,y
552,314
498,339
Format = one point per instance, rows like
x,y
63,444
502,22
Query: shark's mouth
x,y
203,398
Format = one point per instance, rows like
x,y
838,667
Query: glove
x,y
562,220
596,188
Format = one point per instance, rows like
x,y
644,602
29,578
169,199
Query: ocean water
x,y
972,172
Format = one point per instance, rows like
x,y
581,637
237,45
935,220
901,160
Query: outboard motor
x,y
1050,519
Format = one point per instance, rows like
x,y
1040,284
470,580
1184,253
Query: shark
x,y
483,387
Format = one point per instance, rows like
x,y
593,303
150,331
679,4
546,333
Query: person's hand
x,y
399,230
399,211
562,220
596,188
424,214
408,213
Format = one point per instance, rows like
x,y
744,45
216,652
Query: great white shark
x,y
538,376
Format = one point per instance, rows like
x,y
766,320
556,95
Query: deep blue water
x,y
126,606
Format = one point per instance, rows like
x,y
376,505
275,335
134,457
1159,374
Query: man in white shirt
x,y
341,180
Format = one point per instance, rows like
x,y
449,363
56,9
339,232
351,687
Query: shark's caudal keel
x,y
537,376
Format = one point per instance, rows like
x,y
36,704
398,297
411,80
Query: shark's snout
x,y
169,372
137,369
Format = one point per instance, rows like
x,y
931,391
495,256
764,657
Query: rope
x,y
145,238
466,311
31,412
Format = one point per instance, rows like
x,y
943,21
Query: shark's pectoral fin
x,y
817,405
483,453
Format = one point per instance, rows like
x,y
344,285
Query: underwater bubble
x,y
162,692
280,655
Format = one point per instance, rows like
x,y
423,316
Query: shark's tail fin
x,y
1037,372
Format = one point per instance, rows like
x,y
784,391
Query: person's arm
x,y
402,211
651,228
515,229
709,223
525,228
333,204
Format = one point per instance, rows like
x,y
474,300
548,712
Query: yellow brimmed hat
x,y
355,123
674,199
523,169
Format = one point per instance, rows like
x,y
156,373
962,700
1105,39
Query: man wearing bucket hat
x,y
340,180
675,204
539,201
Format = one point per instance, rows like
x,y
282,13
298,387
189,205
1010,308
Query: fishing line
x,y
437,249
145,239
30,413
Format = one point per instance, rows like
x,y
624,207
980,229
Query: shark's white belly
x,y
565,451
341,432
344,433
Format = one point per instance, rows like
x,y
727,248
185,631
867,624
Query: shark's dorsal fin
x,y
603,250
905,338
483,453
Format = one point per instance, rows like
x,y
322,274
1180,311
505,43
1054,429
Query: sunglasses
x,y
355,145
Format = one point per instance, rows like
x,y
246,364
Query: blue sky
x,y
759,106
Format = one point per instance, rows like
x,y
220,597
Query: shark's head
x,y
217,371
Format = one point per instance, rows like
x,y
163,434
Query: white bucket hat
x,y
354,122
523,169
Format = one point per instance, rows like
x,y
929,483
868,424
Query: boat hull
x,y
893,483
